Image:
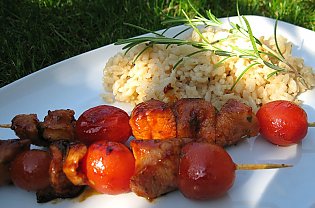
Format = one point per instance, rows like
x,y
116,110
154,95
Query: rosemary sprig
x,y
241,30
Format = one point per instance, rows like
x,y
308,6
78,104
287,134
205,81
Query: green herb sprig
x,y
239,30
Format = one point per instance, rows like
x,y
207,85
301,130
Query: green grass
x,y
38,33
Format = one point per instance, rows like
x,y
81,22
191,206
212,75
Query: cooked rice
x,y
198,76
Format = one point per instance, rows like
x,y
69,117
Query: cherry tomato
x,y
103,123
30,170
282,122
109,167
205,171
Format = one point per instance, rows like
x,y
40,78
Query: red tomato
x,y
109,167
282,122
103,123
30,170
205,171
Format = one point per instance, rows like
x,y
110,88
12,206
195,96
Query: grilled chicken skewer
x,y
57,125
153,119
194,118
157,166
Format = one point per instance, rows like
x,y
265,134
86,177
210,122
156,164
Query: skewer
x,y
5,126
311,124
261,166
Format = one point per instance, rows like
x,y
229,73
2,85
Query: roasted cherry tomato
x,y
282,122
103,123
30,170
109,167
205,171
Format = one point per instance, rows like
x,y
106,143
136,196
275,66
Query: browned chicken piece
x,y
196,119
71,163
59,125
153,119
60,186
235,121
157,164
27,126
9,149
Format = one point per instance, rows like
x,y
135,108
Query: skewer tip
x,y
261,166
5,125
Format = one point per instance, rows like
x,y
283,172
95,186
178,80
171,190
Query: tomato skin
x,y
282,122
109,167
206,171
103,122
30,170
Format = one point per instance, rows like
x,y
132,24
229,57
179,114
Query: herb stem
x,y
242,30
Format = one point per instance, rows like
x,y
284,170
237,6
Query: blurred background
x,y
37,33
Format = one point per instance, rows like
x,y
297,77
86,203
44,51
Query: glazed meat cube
x,y
157,164
27,126
59,125
196,119
9,149
153,119
235,121
60,185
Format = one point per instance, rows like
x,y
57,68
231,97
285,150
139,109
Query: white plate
x,y
76,83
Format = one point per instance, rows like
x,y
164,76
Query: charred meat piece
x,y
235,121
50,194
60,185
59,125
9,149
71,164
157,164
196,119
27,126
153,119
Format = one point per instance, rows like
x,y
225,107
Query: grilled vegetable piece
x,y
27,126
71,166
153,119
196,119
206,171
235,121
109,167
103,122
29,170
59,125
156,166
282,122
9,149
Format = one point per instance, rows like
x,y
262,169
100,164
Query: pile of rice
x,y
199,76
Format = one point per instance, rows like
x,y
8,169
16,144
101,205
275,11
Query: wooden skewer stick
x,y
261,166
311,124
5,125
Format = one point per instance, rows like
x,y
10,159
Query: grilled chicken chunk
x,y
27,126
59,125
195,118
157,164
153,119
60,186
235,121
9,149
